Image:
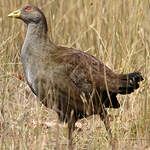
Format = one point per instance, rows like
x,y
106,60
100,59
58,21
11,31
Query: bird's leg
x,y
105,119
71,126
69,137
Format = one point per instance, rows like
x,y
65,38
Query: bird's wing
x,y
87,72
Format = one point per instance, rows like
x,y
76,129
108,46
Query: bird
x,y
73,83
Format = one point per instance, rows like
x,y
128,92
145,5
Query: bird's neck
x,y
37,40
37,30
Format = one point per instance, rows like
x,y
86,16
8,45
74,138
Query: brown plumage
x,y
73,83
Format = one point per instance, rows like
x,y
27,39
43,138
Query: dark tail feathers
x,y
130,82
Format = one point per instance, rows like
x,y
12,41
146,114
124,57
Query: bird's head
x,y
29,14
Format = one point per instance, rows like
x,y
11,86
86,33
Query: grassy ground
x,y
116,32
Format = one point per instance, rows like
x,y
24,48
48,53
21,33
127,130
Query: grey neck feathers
x,y
38,30
37,40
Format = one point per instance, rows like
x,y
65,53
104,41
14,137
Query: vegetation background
x,y
116,32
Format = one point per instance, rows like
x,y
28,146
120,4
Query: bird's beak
x,y
15,14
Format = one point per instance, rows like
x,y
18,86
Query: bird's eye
x,y
28,8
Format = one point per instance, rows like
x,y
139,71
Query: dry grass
x,y
116,32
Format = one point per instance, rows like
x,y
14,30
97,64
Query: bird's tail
x,y
130,82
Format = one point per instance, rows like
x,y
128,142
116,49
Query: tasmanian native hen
x,y
71,82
